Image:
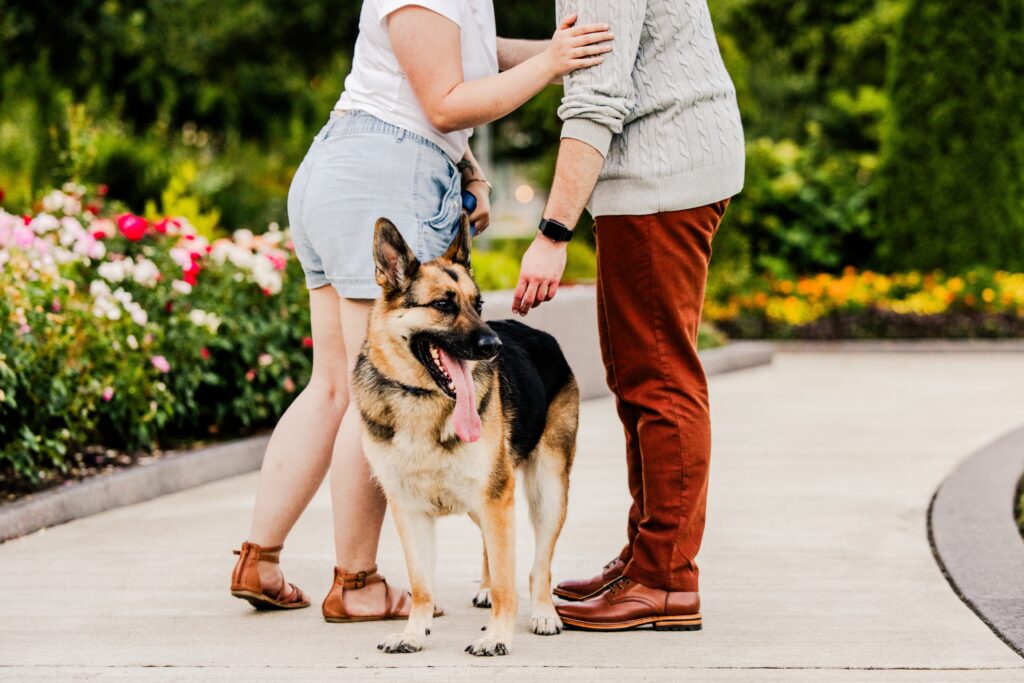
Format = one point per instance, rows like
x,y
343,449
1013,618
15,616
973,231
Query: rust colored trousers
x,y
651,275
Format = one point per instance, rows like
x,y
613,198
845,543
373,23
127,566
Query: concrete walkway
x,y
816,565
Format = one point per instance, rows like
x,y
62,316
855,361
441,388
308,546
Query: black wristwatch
x,y
554,230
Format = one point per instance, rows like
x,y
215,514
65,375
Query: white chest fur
x,y
419,473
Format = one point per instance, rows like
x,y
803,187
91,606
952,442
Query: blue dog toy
x,y
469,206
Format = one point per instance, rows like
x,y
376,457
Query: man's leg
x,y
627,415
654,270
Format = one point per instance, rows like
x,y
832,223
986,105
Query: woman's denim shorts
x,y
357,170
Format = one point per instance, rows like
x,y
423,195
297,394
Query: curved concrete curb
x,y
976,540
168,474
903,346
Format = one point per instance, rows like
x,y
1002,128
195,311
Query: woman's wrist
x,y
466,182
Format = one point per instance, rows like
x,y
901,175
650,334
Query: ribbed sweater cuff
x,y
591,132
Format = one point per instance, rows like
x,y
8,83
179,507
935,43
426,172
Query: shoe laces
x,y
620,584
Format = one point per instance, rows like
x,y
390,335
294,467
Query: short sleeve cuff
x,y
446,8
585,130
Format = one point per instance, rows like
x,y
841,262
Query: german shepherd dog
x,y
451,407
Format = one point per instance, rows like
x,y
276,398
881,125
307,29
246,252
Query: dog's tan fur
x,y
427,472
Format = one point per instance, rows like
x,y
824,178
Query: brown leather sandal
x,y
334,604
246,584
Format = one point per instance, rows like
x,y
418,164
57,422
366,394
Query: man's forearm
x,y
576,174
514,51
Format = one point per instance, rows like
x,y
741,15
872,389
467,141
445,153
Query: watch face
x,y
555,231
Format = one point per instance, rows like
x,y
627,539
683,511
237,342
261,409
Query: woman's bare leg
x,y
299,453
359,504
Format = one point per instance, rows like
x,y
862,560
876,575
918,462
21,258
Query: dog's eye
x,y
445,306
479,306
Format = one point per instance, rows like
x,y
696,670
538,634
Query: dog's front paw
x,y
400,643
546,624
488,647
483,598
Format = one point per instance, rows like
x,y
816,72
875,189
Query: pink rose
x,y
278,262
108,393
161,364
132,227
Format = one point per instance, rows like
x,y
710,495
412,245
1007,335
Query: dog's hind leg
x,y
418,543
483,595
546,478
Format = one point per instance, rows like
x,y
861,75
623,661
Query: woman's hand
x,y
481,216
539,274
576,47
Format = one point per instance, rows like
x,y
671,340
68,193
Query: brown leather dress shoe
x,y
627,605
583,589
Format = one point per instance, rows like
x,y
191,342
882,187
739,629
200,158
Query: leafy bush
x,y
135,333
868,305
803,209
952,185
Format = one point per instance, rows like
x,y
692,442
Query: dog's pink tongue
x,y
465,419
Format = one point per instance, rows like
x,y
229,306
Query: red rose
x,y
307,342
192,272
132,227
204,353
94,209
164,224
2,195
102,190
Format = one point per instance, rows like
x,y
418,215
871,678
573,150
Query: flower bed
x,y
133,334
867,305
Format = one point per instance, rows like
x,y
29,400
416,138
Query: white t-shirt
x,y
378,86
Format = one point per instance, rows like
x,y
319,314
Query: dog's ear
x,y
460,248
396,264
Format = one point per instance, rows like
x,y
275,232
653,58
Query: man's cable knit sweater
x,y
661,108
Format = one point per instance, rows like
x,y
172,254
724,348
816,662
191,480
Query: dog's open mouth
x,y
454,377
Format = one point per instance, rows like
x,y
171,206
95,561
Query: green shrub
x,y
803,209
139,334
952,185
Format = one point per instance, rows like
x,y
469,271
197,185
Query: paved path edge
x,y
975,538
900,346
169,474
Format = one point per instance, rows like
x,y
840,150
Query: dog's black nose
x,y
488,345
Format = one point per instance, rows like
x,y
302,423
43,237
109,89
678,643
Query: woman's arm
x,y
514,51
428,48
475,182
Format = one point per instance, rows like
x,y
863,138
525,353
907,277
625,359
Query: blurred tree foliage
x,y
220,99
952,185
123,92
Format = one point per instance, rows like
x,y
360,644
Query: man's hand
x,y
539,275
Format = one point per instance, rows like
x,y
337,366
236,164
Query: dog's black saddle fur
x,y
533,370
